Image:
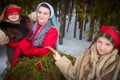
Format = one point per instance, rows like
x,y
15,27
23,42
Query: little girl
x,y
15,26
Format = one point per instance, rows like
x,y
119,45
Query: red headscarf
x,y
113,33
12,10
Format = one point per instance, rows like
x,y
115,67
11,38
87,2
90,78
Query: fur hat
x,y
2,35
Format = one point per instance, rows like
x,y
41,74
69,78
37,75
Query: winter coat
x,y
91,66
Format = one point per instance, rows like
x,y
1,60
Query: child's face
x,y
104,46
43,15
13,17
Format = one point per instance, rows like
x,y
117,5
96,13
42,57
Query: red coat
x,y
49,40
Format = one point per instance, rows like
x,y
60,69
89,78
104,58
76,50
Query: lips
x,y
101,51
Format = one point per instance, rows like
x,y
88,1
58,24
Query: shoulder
x,y
84,53
5,24
53,30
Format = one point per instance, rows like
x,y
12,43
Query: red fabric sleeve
x,y
49,40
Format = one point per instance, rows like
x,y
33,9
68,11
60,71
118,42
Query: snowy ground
x,y
73,46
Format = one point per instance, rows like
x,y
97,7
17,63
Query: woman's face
x,y
43,15
13,17
104,46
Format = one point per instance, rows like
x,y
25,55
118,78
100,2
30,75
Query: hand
x,y
5,40
32,16
56,55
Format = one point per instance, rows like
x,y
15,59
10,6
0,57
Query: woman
x,y
100,62
15,26
42,33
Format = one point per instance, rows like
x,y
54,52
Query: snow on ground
x,y
73,46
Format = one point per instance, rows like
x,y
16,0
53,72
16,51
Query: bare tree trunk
x,y
59,12
76,17
71,11
64,11
62,25
91,32
81,29
85,25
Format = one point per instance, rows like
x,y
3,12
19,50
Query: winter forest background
x,y
94,12
77,21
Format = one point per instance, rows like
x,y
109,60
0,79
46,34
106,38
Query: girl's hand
x,y
5,41
56,55
3,38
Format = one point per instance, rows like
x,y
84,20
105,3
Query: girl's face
x,y
13,17
43,15
104,46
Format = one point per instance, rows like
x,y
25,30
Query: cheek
x,y
38,14
18,17
98,44
47,16
98,48
109,49
9,17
